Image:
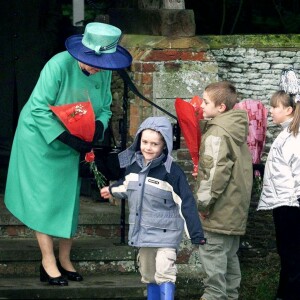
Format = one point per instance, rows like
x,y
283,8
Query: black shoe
x,y
52,280
74,276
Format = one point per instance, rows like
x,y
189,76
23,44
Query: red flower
x,y
90,156
99,177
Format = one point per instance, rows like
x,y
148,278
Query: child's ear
x,y
289,110
222,108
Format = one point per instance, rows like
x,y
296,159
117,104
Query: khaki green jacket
x,y
225,173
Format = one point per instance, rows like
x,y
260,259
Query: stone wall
x,y
165,68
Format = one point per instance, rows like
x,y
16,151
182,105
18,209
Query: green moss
x,y
265,41
252,41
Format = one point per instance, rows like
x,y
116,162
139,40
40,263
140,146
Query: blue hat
x,y
98,47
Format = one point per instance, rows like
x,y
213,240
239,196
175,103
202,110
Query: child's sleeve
x,y
189,211
118,189
215,169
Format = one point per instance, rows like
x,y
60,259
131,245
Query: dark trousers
x,y
287,228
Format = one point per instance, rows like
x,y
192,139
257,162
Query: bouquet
x,y
79,120
257,116
189,114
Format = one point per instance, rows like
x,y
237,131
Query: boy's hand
x,y
203,215
104,192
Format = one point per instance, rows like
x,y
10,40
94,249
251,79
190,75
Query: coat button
x,y
97,86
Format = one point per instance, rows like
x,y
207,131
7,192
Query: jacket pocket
x,y
162,222
158,200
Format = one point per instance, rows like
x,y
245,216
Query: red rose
x,y
90,156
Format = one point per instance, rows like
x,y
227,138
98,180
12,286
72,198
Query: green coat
x,y
43,186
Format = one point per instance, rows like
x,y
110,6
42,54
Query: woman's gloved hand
x,y
75,142
99,128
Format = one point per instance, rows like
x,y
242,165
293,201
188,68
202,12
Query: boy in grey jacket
x,y
161,205
224,189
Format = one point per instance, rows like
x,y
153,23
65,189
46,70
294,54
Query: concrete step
x,y
93,287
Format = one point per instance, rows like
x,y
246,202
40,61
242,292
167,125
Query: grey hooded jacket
x,y
161,203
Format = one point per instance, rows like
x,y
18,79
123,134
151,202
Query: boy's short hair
x,y
222,92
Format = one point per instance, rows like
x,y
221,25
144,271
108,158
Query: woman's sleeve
x,y
45,94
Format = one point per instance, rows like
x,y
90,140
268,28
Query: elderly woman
x,y
43,185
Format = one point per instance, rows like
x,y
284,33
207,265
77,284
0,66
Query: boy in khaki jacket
x,y
224,189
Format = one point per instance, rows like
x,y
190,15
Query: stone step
x,y
97,253
95,219
93,287
101,286
21,257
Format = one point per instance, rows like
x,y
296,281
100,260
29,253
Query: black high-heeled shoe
x,y
44,277
74,276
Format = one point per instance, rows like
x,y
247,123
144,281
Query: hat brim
x,y
109,61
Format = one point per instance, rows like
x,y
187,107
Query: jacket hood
x,y
159,124
235,123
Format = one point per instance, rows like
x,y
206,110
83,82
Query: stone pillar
x,y
164,69
162,22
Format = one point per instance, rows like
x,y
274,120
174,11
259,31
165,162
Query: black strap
x,y
124,75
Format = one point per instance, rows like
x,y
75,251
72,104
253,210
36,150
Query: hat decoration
x,y
104,49
99,47
290,83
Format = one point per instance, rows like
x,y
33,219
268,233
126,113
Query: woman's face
x,y
152,144
89,69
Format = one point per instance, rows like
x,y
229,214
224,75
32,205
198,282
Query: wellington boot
x,y
153,291
167,291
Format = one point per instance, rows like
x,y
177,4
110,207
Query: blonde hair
x,y
222,92
286,100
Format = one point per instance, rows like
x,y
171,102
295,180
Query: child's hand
x,y
203,215
104,192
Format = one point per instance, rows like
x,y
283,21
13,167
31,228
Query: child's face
x,y
152,144
209,108
280,113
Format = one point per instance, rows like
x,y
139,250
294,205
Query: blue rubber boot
x,y
153,291
167,291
